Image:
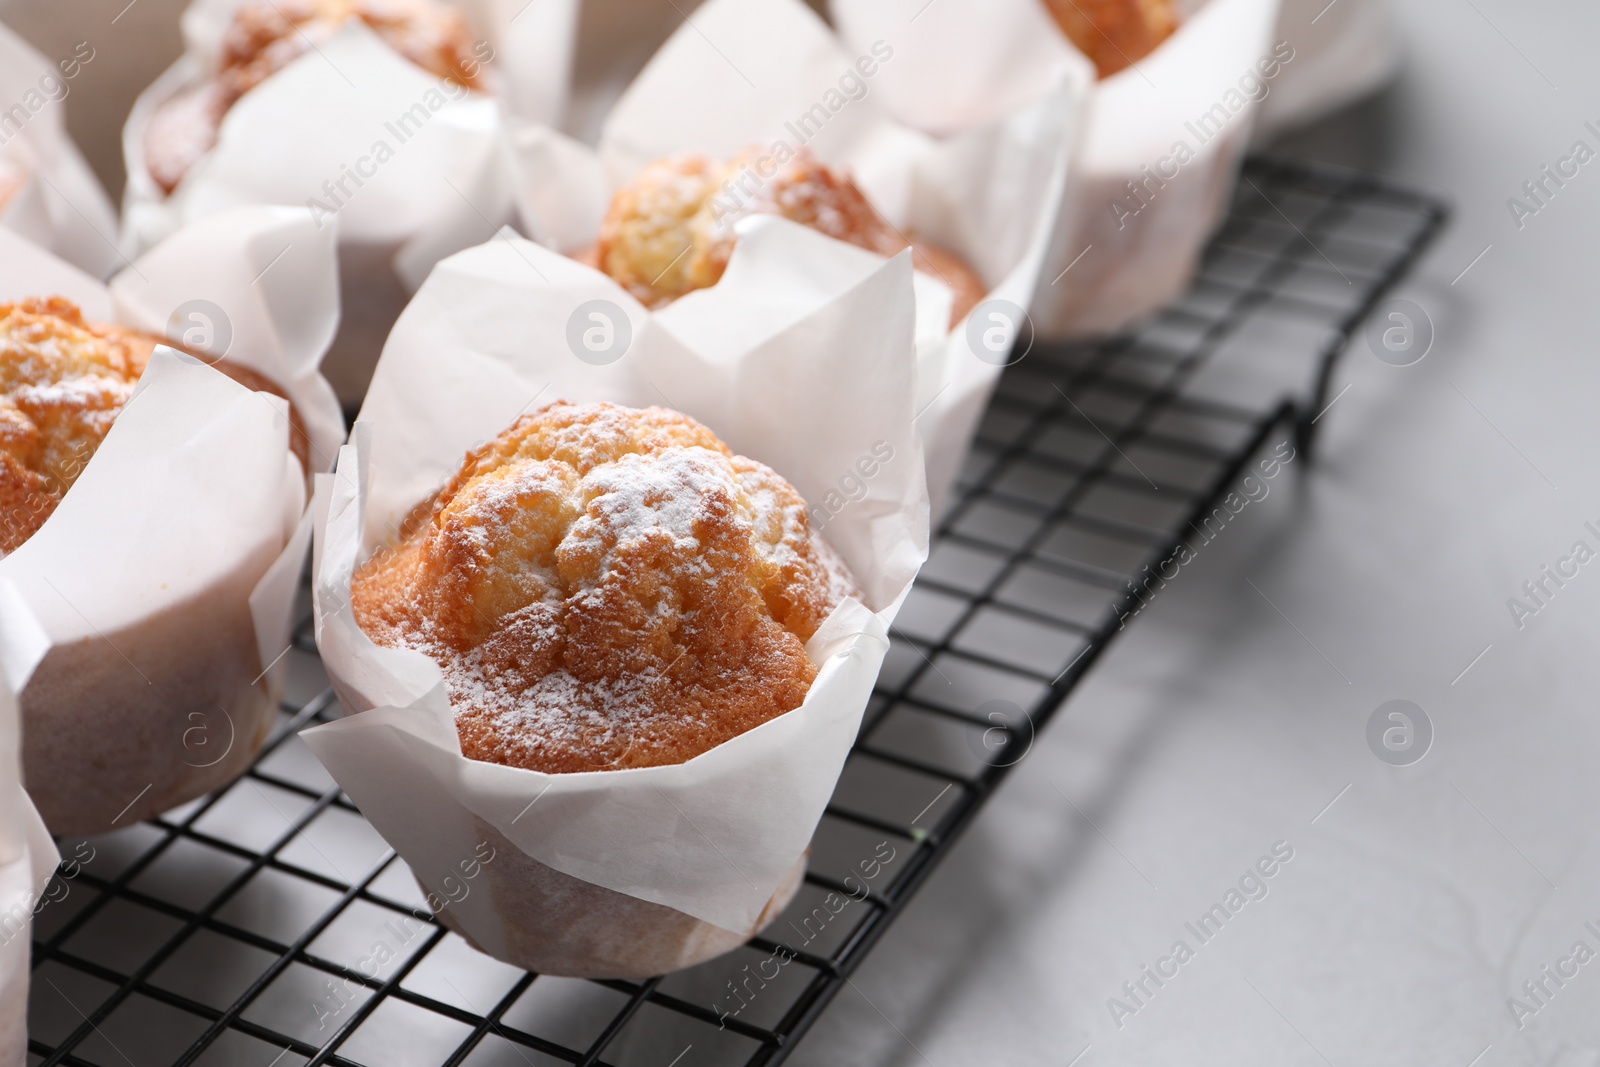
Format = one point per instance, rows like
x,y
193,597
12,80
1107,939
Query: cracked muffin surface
x,y
265,36
607,587
670,231
1114,34
63,382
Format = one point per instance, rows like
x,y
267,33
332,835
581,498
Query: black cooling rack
x,y
242,929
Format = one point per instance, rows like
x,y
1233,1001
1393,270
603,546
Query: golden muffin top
x,y
62,383
671,230
267,35
1114,34
607,587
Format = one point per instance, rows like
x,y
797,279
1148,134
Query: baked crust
x,y
671,231
1114,34
606,587
63,382
267,35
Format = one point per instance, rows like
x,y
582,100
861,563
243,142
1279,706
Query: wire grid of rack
x,y
241,928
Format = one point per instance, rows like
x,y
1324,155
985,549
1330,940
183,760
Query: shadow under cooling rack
x,y
240,930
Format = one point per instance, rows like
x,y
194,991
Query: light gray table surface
x,y
1221,723
1233,715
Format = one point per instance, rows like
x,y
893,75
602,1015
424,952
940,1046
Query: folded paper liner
x,y
1342,53
47,192
27,855
194,489
803,359
407,166
743,73
1105,268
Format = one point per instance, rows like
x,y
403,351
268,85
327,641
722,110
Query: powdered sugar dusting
x,y
631,615
62,384
635,498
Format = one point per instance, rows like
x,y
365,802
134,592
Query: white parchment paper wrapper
x,y
47,192
1342,53
965,58
439,186
743,73
27,855
164,579
802,358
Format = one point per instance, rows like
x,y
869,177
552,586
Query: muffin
x,y
604,588
95,737
607,588
671,231
63,381
1114,34
267,35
